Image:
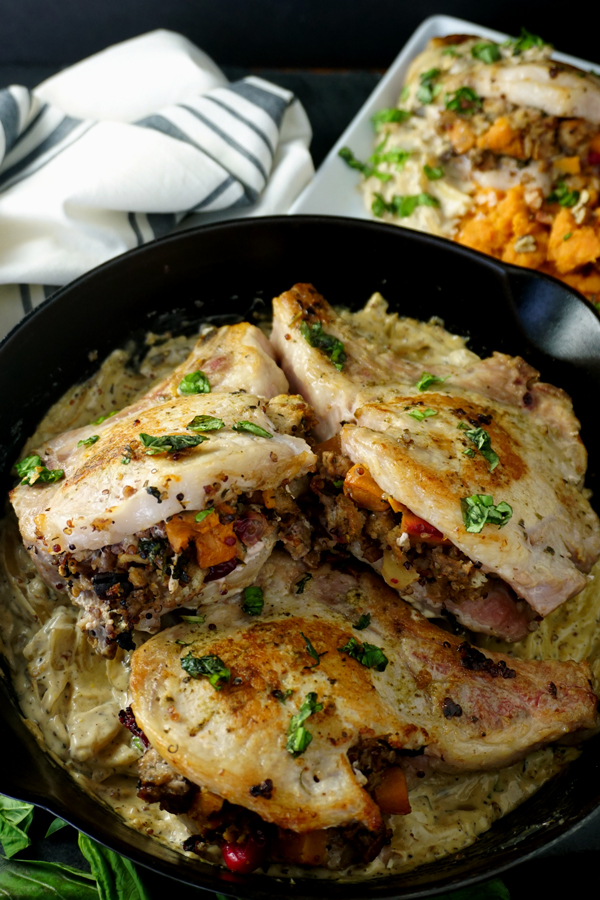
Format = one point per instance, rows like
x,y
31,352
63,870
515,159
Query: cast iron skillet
x,y
225,271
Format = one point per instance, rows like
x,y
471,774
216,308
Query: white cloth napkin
x,y
127,145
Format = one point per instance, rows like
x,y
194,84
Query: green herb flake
x,y
420,414
205,423
427,380
300,585
404,93
135,741
194,620
149,549
298,738
251,428
253,601
479,509
31,470
282,696
567,236
482,441
450,51
463,101
338,483
211,667
433,173
363,622
154,492
170,443
87,442
395,156
487,53
563,195
327,343
386,116
201,516
194,383
401,206
349,158
428,91
525,41
469,452
311,650
367,655
102,419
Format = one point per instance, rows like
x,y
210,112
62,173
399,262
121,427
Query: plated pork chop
x,y
297,708
485,457
162,503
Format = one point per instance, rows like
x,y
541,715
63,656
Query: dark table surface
x,y
331,99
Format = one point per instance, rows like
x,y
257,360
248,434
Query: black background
x,y
331,53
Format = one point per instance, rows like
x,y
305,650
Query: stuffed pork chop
x,y
163,502
279,726
462,483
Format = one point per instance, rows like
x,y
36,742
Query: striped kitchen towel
x,y
127,145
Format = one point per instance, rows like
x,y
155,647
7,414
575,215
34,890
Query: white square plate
x,y
334,190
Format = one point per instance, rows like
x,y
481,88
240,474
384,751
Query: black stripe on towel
x,y
272,104
9,118
228,139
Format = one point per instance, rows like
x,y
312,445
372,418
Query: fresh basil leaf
x,y
24,879
330,345
427,379
404,94
366,170
298,737
57,823
31,470
420,414
525,41
395,157
116,877
212,667
463,101
367,655
487,53
194,383
169,443
251,428
469,452
311,650
102,419
87,442
384,116
427,90
205,423
194,620
478,509
253,601
300,585
402,205
363,622
563,195
202,515
15,818
482,441
433,173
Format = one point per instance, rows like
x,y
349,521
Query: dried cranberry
x,y
250,528
245,857
594,158
127,719
215,572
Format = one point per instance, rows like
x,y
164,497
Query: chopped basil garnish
x,y
433,172
427,379
201,516
404,93
251,428
567,236
311,650
469,452
348,156
482,441
331,347
395,156
194,620
31,470
383,116
212,667
149,549
138,744
87,442
479,509
282,696
169,443
428,91
366,654
420,414
401,205
300,585
154,492
525,41
450,51
487,53
463,101
205,423
253,601
102,419
338,482
194,383
563,195
363,622
298,738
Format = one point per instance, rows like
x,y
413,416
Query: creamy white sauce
x,y
70,697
